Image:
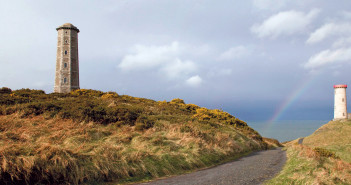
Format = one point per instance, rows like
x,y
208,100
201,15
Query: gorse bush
x,y
87,92
109,95
191,107
5,90
177,101
28,93
207,114
322,152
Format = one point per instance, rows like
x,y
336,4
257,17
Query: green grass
x,y
296,167
324,157
334,136
93,137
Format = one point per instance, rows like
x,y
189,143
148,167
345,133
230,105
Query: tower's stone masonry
x,y
67,61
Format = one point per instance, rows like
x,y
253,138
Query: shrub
x,y
202,114
191,107
144,122
162,103
37,108
177,101
87,92
321,152
5,90
28,92
109,95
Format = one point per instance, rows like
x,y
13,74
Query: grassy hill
x,y
92,137
323,158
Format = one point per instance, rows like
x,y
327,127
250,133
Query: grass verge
x,y
323,158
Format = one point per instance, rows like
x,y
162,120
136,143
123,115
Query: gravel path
x,y
252,169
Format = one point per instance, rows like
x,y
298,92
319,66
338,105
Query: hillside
x,y
92,136
323,158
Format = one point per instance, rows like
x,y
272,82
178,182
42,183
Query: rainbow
x,y
299,90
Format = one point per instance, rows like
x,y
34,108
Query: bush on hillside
x,y
322,152
109,95
5,90
144,122
191,107
203,114
21,96
177,101
28,92
87,92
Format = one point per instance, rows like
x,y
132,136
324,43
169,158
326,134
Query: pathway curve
x,y
252,169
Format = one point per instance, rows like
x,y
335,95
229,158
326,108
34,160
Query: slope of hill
x,y
92,136
323,158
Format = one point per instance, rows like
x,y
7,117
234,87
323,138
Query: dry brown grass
x,y
272,143
48,151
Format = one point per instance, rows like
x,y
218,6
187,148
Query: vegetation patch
x,y
324,157
89,136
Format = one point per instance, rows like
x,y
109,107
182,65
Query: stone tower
x,y
67,61
340,106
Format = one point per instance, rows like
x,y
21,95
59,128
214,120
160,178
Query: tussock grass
x,y
324,157
334,136
272,143
93,137
41,150
306,166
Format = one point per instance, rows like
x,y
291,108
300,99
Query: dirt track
x,y
252,169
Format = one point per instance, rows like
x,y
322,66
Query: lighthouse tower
x,y
340,106
67,61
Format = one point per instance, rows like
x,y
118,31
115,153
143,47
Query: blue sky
x,y
251,58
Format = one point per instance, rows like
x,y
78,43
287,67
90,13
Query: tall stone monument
x,y
67,61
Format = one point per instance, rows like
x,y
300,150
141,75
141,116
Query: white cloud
x,y
342,42
161,58
179,68
146,57
328,30
234,53
284,23
269,4
194,81
328,57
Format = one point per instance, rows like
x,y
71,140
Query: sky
x,y
262,60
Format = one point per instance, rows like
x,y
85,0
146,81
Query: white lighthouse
x,y
340,106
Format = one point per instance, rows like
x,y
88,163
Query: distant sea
x,y
286,130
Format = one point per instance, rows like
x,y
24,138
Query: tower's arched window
x,y
65,80
66,41
343,100
65,52
65,65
